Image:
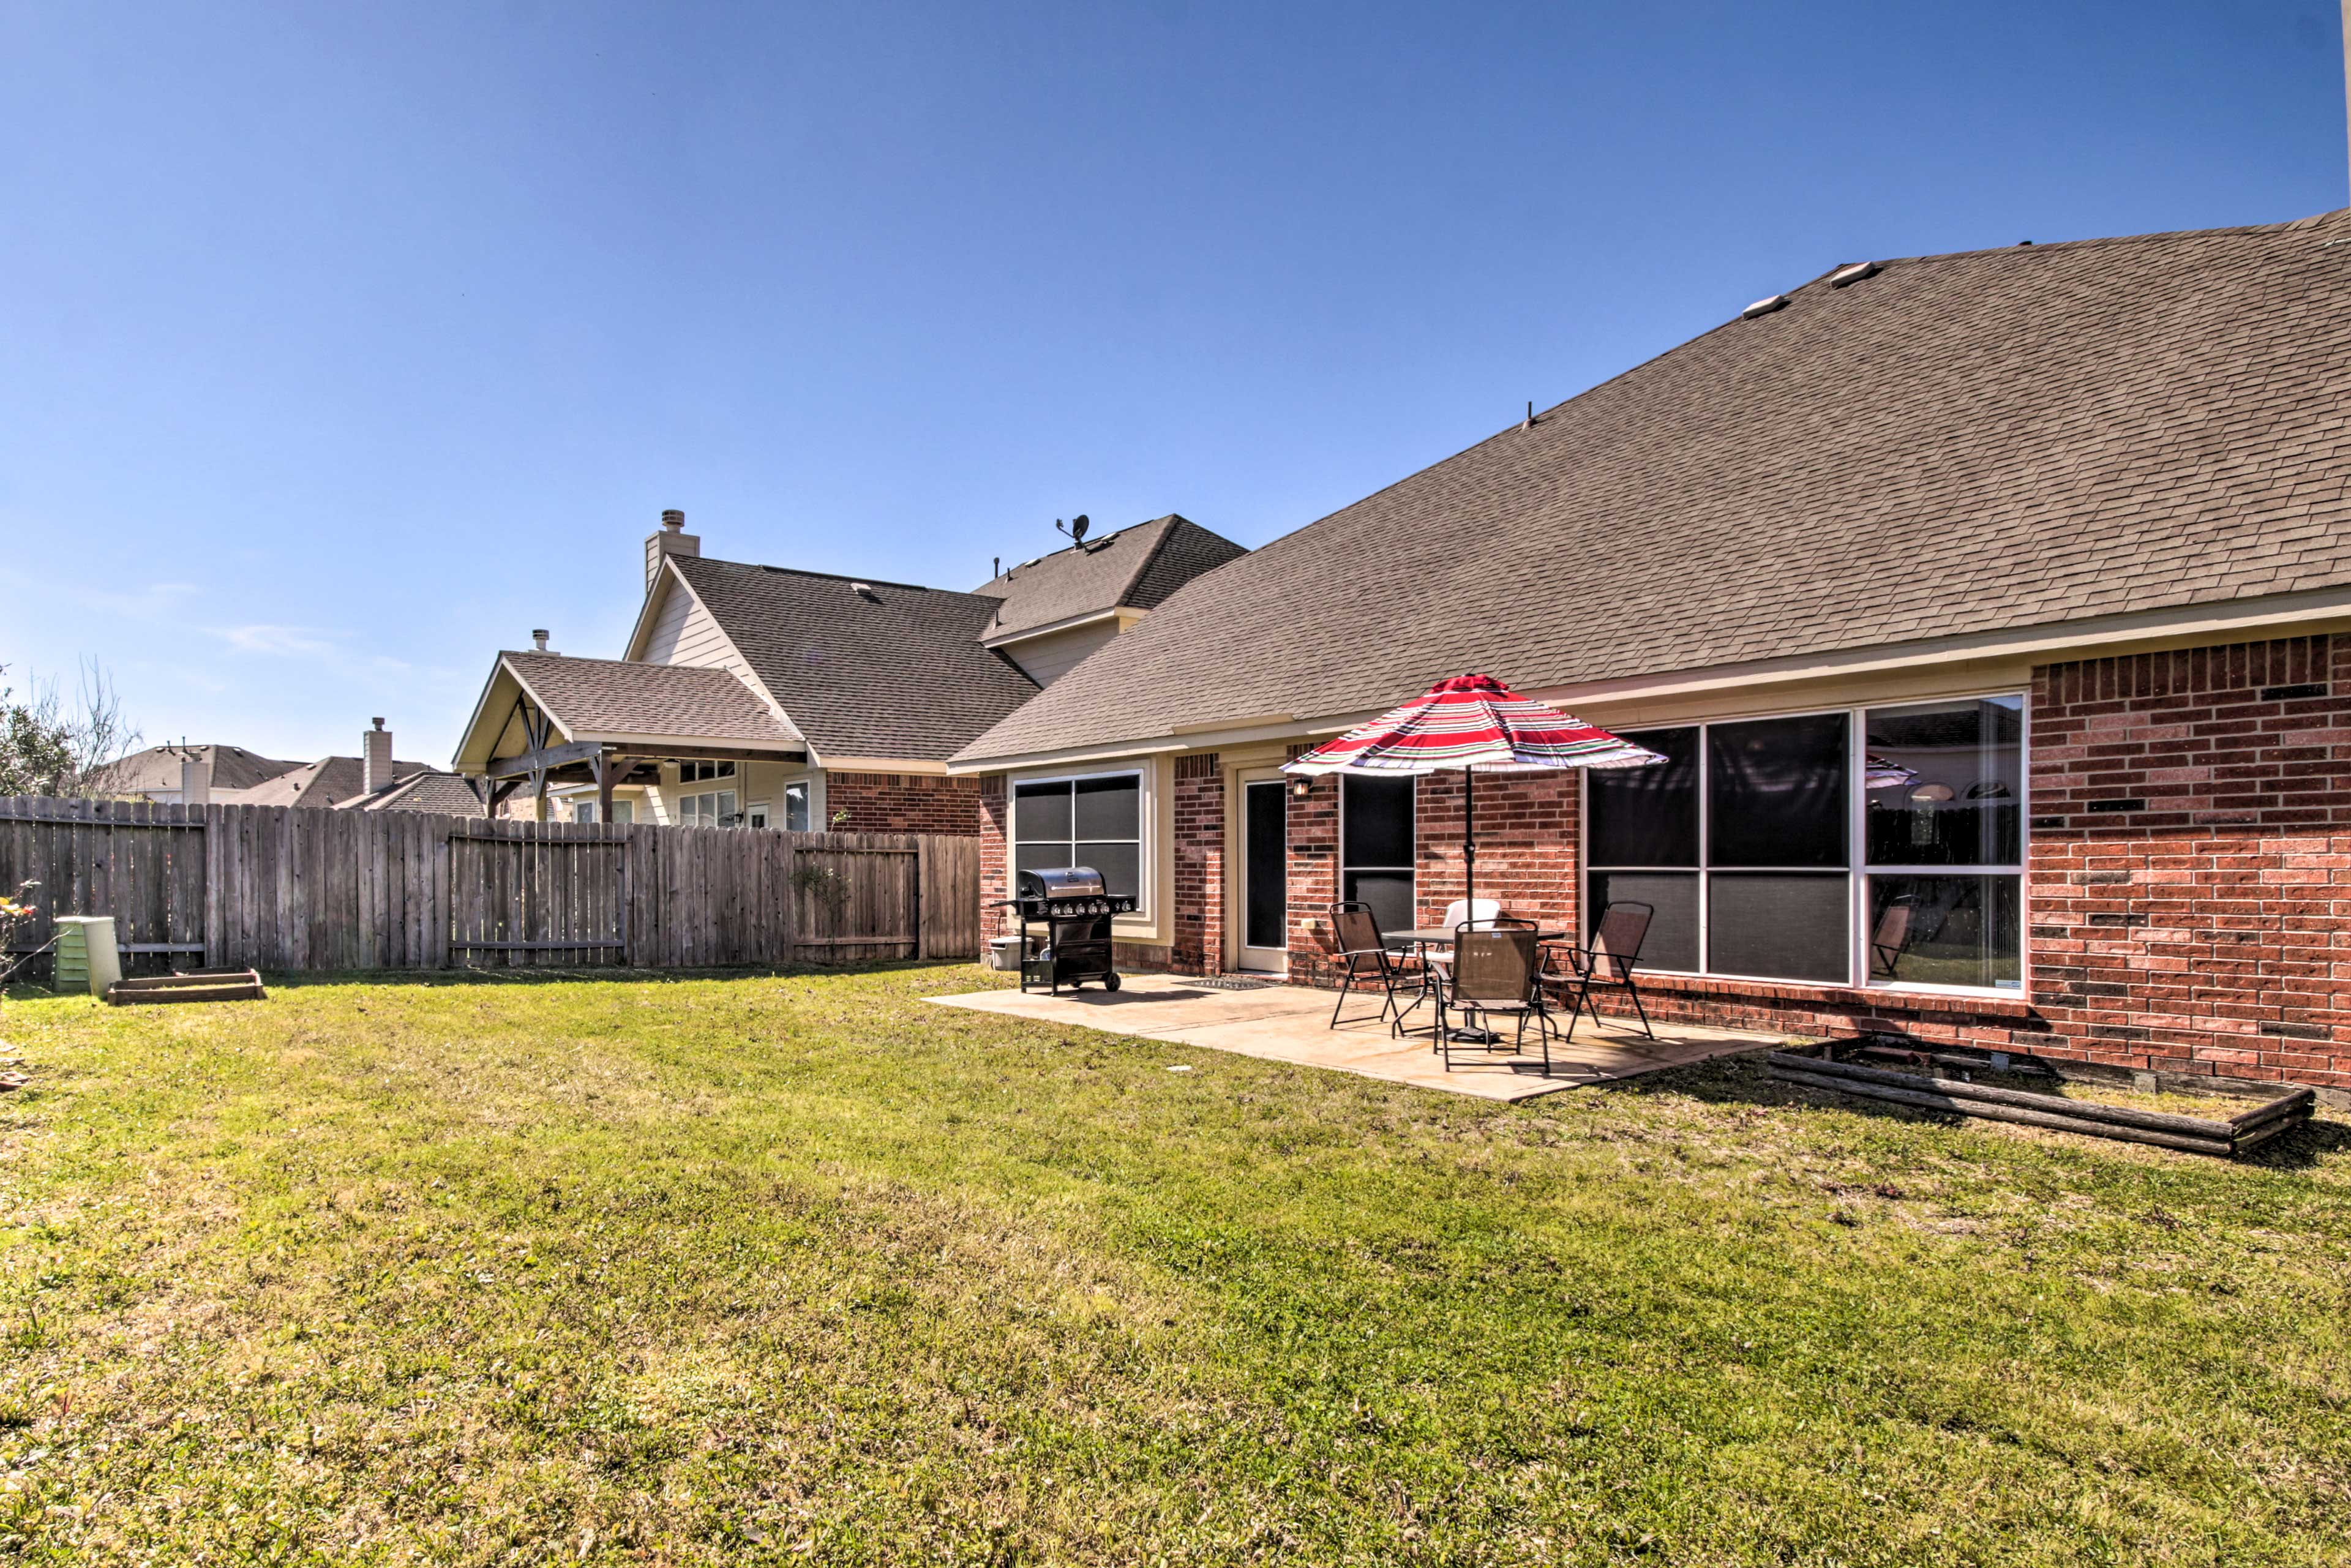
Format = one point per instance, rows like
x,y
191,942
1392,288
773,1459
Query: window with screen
x,y
1095,822
1943,829
796,807
1375,847
1823,847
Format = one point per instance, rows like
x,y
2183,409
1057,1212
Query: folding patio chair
x,y
1366,955
1497,971
1607,960
1891,939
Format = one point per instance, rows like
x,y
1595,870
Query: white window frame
x,y
1145,859
1339,849
689,814
1858,871
702,771
807,794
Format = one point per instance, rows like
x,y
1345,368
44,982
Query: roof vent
x,y
1853,274
1764,308
865,590
538,638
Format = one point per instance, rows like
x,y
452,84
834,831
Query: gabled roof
x,y
433,791
157,768
614,699
1135,568
329,781
899,675
1955,445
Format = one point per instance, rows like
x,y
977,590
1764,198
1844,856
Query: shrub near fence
x,y
284,888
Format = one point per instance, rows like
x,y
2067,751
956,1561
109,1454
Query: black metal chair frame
x,y
1378,961
1532,1004
1585,963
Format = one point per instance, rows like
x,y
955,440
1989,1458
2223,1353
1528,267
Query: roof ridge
x,y
684,562
1166,527
2092,241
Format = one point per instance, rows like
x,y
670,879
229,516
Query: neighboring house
x,y
430,790
762,696
160,772
331,780
2059,535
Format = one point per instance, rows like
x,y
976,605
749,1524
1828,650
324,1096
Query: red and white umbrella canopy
x,y
1472,722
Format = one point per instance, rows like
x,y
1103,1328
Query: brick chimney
x,y
671,539
375,758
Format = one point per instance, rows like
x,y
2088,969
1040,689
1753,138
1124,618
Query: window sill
x,y
1980,1004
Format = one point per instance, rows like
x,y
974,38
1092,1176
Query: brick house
x,y
752,696
1992,609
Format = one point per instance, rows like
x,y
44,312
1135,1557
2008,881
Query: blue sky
x,y
344,345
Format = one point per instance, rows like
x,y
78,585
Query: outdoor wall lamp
x,y
1302,787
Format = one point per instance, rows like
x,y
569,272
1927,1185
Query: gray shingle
x,y
899,675
1961,444
612,697
1140,566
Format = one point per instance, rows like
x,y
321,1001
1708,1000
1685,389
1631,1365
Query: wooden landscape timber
x,y
286,889
2276,1107
202,986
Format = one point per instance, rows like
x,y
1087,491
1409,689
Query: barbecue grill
x,y
1070,902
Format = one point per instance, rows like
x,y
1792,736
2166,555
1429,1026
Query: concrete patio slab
x,y
1291,1024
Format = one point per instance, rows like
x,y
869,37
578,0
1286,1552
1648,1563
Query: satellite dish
x,y
1075,527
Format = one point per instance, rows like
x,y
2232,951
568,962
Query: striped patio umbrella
x,y
1471,721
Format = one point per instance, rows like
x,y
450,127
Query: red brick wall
x,y
2191,878
901,803
1526,844
1197,814
1314,878
995,832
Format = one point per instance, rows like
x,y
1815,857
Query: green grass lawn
x,y
799,1269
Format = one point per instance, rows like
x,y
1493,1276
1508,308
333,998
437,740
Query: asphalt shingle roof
x,y
328,782
615,697
901,674
1140,567
1960,444
157,768
433,791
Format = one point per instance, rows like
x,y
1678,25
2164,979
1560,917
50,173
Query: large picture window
x,y
1824,847
1375,846
1096,820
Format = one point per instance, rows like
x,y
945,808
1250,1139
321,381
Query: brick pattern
x,y
1198,818
1526,840
995,833
1313,879
901,803
2190,876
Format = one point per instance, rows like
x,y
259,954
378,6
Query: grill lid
x,y
1061,882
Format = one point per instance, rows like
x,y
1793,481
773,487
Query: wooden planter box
x,y
1941,1079
204,985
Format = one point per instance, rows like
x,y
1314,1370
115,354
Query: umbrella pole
x,y
1468,844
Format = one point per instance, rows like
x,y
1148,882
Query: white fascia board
x,y
2092,639
881,765
2273,614
1124,616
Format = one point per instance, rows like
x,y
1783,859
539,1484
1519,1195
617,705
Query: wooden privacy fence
x,y
287,888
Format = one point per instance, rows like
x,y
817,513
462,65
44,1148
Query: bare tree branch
x,y
50,746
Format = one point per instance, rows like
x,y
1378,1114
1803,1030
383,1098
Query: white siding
x,y
687,634
1048,658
